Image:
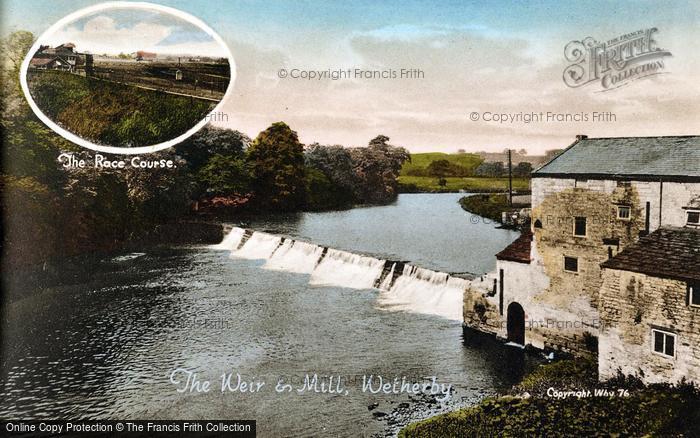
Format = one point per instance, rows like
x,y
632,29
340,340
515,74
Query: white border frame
x,y
663,354
123,5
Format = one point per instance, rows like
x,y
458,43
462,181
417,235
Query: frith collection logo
x,y
614,63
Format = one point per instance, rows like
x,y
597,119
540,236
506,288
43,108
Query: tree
x,y
491,169
29,147
335,162
16,46
442,168
321,192
211,140
225,175
522,170
377,168
216,158
159,194
276,160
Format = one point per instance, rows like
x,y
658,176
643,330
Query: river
x,y
100,337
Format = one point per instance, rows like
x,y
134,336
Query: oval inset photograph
x,y
127,77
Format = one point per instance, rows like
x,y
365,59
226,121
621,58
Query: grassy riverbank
x,y
489,206
631,409
114,114
414,184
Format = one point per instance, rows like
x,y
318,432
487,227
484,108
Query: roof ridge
x,y
669,155
562,152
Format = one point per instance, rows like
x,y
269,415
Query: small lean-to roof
x,y
675,157
668,252
519,250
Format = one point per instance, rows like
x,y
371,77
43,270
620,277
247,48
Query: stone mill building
x,y
611,263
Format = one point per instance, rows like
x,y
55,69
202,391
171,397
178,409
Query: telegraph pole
x,y
510,179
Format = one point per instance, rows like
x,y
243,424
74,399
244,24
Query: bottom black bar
x,y
128,428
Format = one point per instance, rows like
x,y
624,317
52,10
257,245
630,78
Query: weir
x,y
401,286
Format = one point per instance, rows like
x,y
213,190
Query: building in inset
x,y
142,55
63,57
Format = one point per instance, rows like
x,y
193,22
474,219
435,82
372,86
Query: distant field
x,y
208,80
421,161
455,184
114,114
411,180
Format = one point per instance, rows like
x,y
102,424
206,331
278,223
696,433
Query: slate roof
x,y
519,250
672,156
41,61
667,252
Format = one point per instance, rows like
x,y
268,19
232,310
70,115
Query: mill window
x,y
694,218
570,264
663,343
694,295
623,212
580,226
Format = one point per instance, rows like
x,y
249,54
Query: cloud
x,y
104,34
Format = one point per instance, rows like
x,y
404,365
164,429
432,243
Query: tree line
x,y
276,172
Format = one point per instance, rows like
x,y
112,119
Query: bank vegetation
x,y
560,399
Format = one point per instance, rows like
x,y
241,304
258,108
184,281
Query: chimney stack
x,y
581,137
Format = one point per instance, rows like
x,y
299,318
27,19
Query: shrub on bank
x,y
488,206
655,410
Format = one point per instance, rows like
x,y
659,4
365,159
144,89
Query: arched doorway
x,y
516,324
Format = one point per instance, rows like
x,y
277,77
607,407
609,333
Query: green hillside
x,y
421,161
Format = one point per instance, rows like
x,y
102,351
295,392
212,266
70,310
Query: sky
x,y
117,31
473,57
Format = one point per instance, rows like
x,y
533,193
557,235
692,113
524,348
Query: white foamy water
x,y
295,256
416,290
258,246
231,240
345,269
386,282
424,291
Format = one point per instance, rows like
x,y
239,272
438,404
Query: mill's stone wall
x,y
666,200
563,309
632,305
